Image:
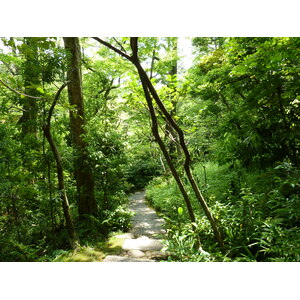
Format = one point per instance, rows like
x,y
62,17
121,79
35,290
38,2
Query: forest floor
x,y
143,243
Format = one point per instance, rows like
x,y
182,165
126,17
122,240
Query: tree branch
x,y
87,66
112,48
120,45
19,93
54,102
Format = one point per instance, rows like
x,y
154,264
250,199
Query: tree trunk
x,y
166,154
82,170
60,176
169,161
171,134
146,81
31,77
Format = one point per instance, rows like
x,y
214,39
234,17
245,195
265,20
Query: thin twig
x,y
123,49
19,93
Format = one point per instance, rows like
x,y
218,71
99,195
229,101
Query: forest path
x,y
142,243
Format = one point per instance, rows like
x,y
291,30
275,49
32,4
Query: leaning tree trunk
x,y
169,159
167,155
144,78
173,145
150,90
83,172
73,239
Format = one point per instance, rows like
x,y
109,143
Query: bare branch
x,y
87,66
112,48
19,93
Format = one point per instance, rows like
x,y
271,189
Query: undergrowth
x,y
258,213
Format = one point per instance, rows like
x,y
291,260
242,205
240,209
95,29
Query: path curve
x,y
143,242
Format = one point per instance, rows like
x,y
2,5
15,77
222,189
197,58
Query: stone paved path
x,y
142,243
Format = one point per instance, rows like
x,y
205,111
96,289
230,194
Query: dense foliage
x,y
241,114
239,109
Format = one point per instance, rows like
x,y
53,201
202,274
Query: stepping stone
x,y
125,236
155,253
143,244
135,253
115,258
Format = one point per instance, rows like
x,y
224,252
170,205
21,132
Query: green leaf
x,y
40,90
180,210
239,70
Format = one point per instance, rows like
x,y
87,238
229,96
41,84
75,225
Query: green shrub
x,y
181,244
13,251
117,220
278,243
141,170
163,194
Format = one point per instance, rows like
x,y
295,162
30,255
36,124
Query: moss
x,y
94,253
82,254
113,246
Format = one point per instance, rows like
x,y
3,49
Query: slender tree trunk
x,y
173,145
145,80
73,239
83,172
52,202
166,154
